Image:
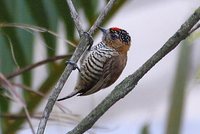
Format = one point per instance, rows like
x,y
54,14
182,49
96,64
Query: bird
x,y
104,62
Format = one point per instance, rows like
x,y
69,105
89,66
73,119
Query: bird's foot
x,y
90,38
74,65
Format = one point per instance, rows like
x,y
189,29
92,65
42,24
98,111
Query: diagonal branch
x,y
29,67
129,83
83,44
76,17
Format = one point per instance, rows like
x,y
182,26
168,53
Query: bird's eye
x,y
125,38
114,36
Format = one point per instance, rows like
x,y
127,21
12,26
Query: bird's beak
x,y
102,30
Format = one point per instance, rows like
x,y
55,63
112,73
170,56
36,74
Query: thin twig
x,y
28,117
5,83
16,97
102,16
54,117
131,81
28,89
11,49
76,17
29,67
83,44
12,52
195,28
61,107
29,28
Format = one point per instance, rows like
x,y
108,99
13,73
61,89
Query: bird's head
x,y
116,38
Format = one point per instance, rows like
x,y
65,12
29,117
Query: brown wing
x,y
111,71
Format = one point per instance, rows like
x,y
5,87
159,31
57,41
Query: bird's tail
x,y
68,96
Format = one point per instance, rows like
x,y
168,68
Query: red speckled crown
x,y
118,33
115,28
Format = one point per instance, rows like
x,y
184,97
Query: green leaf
x,y
145,129
6,61
64,14
178,93
90,9
4,108
26,39
11,34
43,13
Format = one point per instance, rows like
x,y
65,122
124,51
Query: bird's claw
x,y
90,40
74,65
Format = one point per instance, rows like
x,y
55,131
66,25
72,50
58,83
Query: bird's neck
x,y
118,46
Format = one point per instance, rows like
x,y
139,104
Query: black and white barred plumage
x,y
103,64
93,66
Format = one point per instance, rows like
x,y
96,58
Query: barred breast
x,y
93,65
